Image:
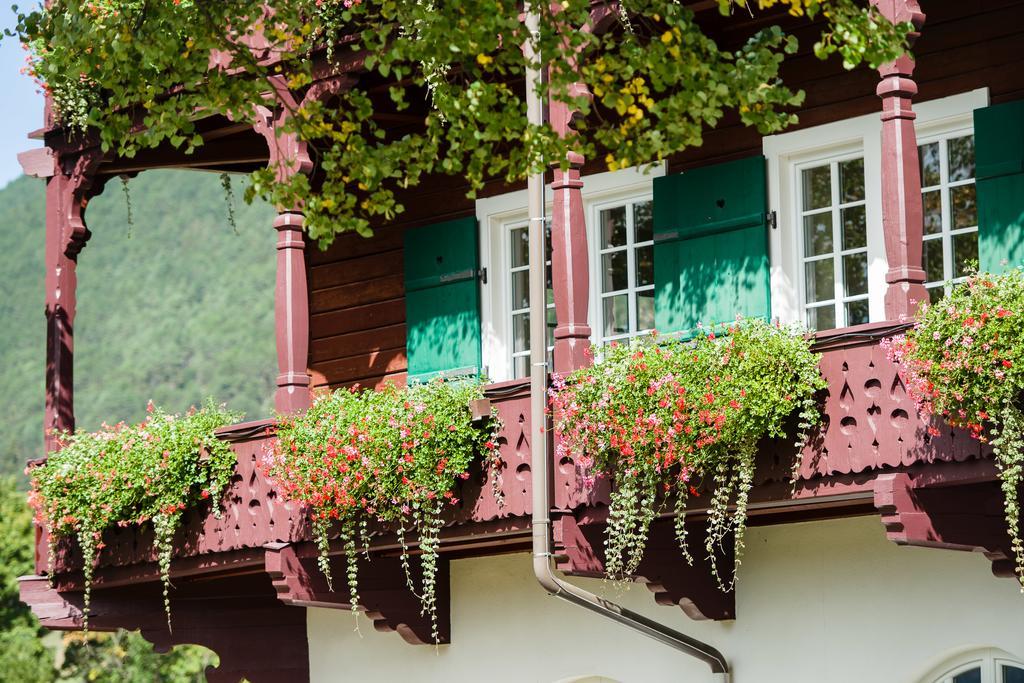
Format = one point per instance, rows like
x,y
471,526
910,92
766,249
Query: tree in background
x,y
26,656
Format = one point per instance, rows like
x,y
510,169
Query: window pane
x,y
855,273
520,247
965,252
645,310
936,292
821,280
932,212
972,676
521,332
964,209
930,164
855,228
613,227
817,187
851,180
614,272
616,315
644,266
818,234
823,318
643,221
521,366
521,289
857,312
1012,674
931,261
961,158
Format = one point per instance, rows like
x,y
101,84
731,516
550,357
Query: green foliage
x,y
393,456
657,79
160,316
182,310
124,657
662,417
963,361
125,475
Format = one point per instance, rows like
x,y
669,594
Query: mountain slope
x,y
180,309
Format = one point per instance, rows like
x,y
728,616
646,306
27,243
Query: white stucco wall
x,y
821,602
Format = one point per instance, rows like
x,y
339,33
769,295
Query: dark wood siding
x,y
357,294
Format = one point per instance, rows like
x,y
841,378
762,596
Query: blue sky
x,y
21,110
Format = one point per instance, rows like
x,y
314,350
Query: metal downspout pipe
x,y
543,566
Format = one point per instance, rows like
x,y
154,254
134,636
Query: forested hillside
x,y
178,308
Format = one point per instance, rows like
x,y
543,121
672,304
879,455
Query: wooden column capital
x,y
902,207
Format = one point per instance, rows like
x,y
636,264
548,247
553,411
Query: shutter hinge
x,y
482,274
773,220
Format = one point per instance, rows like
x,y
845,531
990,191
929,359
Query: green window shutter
x,y
999,163
711,245
442,299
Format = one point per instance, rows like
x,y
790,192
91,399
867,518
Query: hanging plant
x,y
392,456
663,417
229,200
962,361
129,219
111,65
131,474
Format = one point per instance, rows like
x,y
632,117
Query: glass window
x,y
625,277
984,666
519,309
833,222
950,211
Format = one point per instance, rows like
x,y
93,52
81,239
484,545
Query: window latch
x,y
482,274
773,220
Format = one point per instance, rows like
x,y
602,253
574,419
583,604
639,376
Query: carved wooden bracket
x,y
383,593
256,637
965,516
579,551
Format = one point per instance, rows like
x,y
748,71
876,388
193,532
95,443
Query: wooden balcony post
x,y
291,315
288,156
902,210
570,271
70,183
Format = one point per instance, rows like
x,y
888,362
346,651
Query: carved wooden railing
x,y
932,485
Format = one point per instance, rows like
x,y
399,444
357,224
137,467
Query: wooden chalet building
x,y
888,561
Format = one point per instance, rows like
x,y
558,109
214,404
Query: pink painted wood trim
x,y
291,315
902,209
570,270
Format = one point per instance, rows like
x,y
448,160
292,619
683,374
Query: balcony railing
x,y
872,454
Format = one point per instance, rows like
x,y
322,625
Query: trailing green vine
x,y
963,361
129,219
393,456
438,84
131,474
663,417
229,200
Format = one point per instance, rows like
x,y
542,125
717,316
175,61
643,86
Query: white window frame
x,y
625,196
941,132
989,660
499,214
839,297
860,136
